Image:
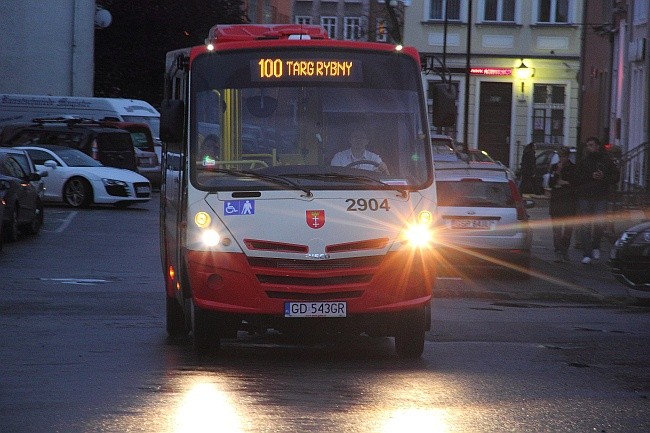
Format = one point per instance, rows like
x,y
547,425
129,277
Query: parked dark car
x,y
109,145
28,166
4,186
630,258
23,210
145,150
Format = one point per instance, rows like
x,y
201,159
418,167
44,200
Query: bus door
x,y
174,182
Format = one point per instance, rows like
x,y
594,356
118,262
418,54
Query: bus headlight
x,y
210,238
419,234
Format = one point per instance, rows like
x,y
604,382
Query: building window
x,y
303,19
441,7
640,12
553,11
499,11
329,24
381,32
548,113
352,28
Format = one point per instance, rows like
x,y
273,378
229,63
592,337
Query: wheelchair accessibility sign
x,y
239,207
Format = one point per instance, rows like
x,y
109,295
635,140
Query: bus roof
x,y
226,37
247,32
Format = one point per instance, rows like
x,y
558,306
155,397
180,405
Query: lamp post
x,y
467,75
524,73
395,27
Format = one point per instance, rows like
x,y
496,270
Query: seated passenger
x,y
358,156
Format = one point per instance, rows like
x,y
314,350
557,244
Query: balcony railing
x,y
633,190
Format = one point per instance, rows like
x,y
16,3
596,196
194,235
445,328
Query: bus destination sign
x,y
276,69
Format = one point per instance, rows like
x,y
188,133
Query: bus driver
x,y
358,156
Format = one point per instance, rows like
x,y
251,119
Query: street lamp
x,y
103,18
524,73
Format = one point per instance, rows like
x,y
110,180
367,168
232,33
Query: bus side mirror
x,y
171,120
444,110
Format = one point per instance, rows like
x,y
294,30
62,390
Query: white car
x,y
77,179
483,220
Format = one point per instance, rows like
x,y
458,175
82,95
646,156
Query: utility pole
x,y
395,27
467,76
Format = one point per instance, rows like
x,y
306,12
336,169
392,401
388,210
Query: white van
x,y
23,108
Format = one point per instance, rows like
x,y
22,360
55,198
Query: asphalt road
x,y
83,349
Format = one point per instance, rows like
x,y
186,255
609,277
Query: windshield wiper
x,y
278,180
344,178
481,203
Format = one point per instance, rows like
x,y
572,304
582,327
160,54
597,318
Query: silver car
x,y
482,218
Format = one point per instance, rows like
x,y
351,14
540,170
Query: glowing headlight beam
x,y
419,235
210,238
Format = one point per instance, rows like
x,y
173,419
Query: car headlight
x,y
634,238
113,182
624,239
641,238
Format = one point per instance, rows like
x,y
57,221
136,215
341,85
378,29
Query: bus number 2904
x,y
362,205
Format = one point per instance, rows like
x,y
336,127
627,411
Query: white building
x,y
47,47
521,83
630,110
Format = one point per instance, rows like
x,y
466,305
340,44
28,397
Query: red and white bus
x,y
268,219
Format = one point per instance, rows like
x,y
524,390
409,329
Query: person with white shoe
x,y
595,175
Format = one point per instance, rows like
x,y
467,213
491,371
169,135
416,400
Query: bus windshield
x,y
316,119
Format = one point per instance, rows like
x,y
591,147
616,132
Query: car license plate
x,y
315,309
472,224
142,190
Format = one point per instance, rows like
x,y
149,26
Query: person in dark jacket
x,y
595,175
527,170
562,206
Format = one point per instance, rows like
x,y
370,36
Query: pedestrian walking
x,y
527,170
562,206
595,175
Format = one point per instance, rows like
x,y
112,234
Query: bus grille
x,y
314,273
301,296
315,265
311,281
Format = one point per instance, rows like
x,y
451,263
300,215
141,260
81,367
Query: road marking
x,y
66,222
79,281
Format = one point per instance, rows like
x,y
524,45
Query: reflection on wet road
x,y
83,349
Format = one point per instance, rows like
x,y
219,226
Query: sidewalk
x,y
555,282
